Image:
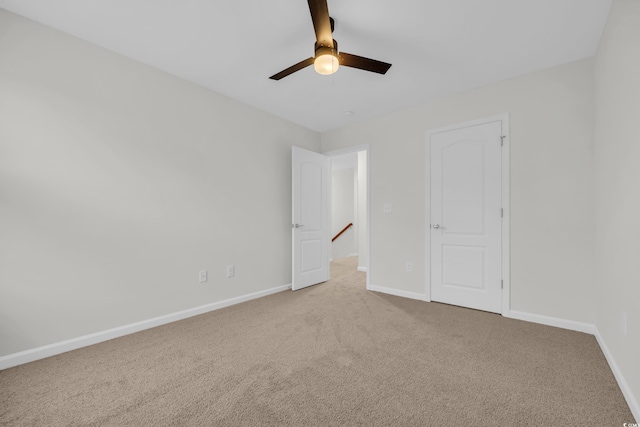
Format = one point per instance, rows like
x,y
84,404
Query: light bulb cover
x,y
326,61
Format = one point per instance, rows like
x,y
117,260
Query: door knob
x,y
437,226
298,225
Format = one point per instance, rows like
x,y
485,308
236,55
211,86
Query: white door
x,y
466,202
310,226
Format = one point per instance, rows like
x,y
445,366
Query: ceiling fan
x,y
327,59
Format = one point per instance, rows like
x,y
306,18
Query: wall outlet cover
x,y
203,276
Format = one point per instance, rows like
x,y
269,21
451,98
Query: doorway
x,y
349,212
311,223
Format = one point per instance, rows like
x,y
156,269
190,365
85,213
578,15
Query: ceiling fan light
x,y
326,64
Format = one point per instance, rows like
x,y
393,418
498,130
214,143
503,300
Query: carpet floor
x,y
330,355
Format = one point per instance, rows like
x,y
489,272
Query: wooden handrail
x,y
342,231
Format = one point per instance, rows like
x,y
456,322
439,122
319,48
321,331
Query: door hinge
x,y
501,284
502,140
501,212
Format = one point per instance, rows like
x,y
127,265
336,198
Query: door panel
x,y
463,266
465,211
310,228
462,194
311,188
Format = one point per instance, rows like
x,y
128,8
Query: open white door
x,y
310,225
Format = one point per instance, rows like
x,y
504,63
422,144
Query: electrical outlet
x,y
203,276
231,271
623,322
409,266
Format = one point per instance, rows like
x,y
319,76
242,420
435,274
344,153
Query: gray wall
x,y
617,195
119,183
361,220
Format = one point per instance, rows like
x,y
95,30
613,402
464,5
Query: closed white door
x,y
310,225
466,211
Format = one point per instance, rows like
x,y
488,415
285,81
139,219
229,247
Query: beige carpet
x,y
330,355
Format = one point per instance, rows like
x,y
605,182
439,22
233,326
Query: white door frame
x,y
356,149
506,205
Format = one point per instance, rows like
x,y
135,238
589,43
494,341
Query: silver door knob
x,y
437,226
298,225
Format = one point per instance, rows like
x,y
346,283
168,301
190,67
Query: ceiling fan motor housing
x,y
326,50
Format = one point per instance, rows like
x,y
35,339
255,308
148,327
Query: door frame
x,y
506,206
356,149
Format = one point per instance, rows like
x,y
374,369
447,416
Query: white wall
x,y
552,219
617,143
119,183
361,220
343,210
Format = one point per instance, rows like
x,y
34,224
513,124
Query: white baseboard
x,y
633,403
363,269
572,325
397,292
38,353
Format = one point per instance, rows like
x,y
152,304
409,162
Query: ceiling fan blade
x,y
299,66
321,22
363,63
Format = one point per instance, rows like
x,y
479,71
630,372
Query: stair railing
x,y
342,231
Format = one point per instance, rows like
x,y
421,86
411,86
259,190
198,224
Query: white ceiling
x,y
437,47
